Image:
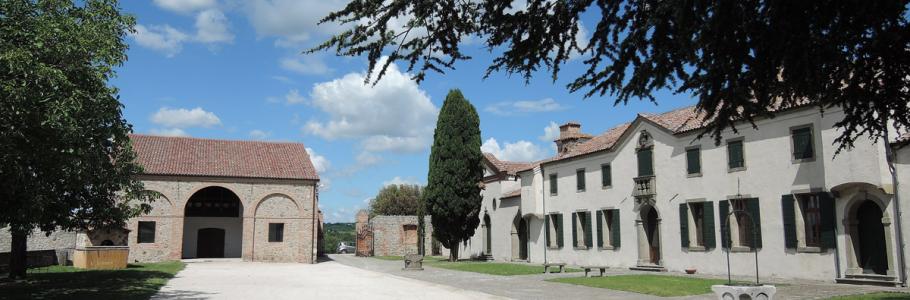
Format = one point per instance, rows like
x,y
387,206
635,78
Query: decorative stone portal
x,y
648,228
869,238
519,236
213,224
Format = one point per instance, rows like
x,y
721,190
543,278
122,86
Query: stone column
x,y
644,254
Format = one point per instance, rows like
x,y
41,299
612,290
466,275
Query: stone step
x,y
649,268
866,280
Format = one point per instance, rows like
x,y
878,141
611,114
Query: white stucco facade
x,y
770,175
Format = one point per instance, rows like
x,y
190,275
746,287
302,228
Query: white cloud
x,y
183,118
257,134
212,27
320,163
365,159
517,151
283,79
307,65
169,132
185,6
293,97
161,38
399,180
394,115
292,21
550,133
526,106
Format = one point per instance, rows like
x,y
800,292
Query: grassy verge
x,y
875,296
658,285
138,281
492,268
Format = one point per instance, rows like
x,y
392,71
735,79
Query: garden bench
x,y
589,268
546,267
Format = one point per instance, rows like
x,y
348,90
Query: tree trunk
x,y
453,252
18,254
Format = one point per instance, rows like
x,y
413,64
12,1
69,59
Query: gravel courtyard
x,y
231,279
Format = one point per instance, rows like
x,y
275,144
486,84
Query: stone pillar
x,y
644,254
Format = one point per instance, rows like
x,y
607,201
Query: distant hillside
x,y
338,232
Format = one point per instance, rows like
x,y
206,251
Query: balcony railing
x,y
645,186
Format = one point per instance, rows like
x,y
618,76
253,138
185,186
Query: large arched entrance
x,y
519,238
213,224
648,236
487,236
872,256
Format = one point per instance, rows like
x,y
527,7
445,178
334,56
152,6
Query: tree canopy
x,y
741,59
397,200
453,193
65,156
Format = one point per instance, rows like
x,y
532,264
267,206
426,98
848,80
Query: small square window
x,y
606,178
735,157
276,232
802,143
553,189
693,161
146,232
580,179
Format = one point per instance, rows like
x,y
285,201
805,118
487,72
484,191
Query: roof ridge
x,y
214,139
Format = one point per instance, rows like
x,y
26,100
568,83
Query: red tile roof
x,y
510,167
161,155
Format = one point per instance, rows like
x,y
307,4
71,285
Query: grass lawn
x,y
875,296
137,281
492,268
658,285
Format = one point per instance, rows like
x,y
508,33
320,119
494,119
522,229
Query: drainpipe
x,y
543,194
889,154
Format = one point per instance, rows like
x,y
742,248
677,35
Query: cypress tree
x,y
453,194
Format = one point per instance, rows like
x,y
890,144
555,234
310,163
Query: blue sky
x,y
234,70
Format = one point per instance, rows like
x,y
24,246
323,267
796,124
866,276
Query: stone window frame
x,y
276,232
694,228
609,175
799,220
140,237
700,160
579,229
737,243
742,141
553,230
580,180
606,225
812,139
553,184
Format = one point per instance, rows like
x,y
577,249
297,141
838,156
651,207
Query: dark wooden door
x,y
210,243
872,254
653,236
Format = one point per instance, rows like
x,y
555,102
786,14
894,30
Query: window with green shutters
x,y
553,185
580,180
608,229
646,162
735,156
693,161
581,230
606,176
748,236
816,222
701,215
802,143
553,234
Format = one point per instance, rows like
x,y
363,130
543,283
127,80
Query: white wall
x,y
233,232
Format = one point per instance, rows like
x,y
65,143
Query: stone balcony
x,y
645,186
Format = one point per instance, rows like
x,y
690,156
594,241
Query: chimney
x,y
570,135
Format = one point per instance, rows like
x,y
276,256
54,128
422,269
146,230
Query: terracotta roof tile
x,y
161,155
510,167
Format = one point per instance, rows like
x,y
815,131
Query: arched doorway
x,y
519,238
487,236
872,256
213,224
648,236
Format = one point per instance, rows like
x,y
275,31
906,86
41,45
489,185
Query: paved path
x,y
325,280
534,286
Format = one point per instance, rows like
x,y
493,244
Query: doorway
x,y
210,243
652,233
872,247
488,237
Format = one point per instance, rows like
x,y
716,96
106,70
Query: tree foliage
x,y
741,59
65,155
397,200
453,192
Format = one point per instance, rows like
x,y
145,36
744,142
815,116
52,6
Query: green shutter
x,y
735,153
829,223
752,205
645,162
580,180
589,234
693,161
600,229
614,229
684,225
606,179
574,231
789,215
559,236
546,233
708,226
723,208
553,184
802,143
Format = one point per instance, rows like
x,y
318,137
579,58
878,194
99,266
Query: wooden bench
x,y
589,268
546,267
